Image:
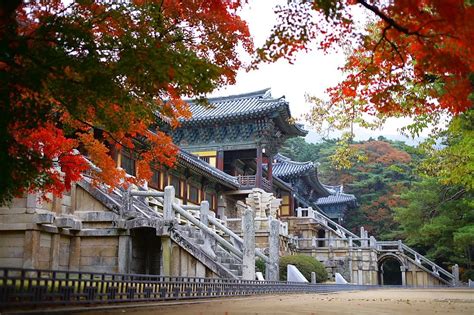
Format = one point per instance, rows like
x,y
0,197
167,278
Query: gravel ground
x,y
401,301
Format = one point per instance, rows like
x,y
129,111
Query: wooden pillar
x,y
258,174
270,170
220,160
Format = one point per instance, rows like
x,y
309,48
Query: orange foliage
x,y
92,76
414,58
383,152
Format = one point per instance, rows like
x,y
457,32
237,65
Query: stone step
x,y
232,266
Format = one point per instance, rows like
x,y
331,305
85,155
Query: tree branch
x,y
387,19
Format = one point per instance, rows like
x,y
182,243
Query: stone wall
x,y
12,248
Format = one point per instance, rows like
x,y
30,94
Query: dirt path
x,y
406,301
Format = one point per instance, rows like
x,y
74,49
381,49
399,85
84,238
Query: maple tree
x,y
412,58
91,77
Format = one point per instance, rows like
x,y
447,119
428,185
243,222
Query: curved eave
x,y
312,180
287,175
282,120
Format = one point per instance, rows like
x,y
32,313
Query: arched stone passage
x,y
390,270
146,251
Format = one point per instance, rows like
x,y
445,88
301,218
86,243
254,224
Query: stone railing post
x,y
248,260
373,242
204,218
455,273
168,203
166,242
350,241
313,277
126,202
272,268
331,242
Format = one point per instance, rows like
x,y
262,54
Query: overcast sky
x,y
312,73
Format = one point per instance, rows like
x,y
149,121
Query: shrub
x,y
467,274
306,265
260,265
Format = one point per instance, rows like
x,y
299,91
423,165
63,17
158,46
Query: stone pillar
x,y
221,207
404,277
455,272
32,246
204,217
124,253
363,235
166,243
248,230
75,253
373,242
360,280
272,269
166,247
33,202
168,203
313,277
54,252
258,174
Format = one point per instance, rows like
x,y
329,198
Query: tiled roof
x,y
284,167
337,189
191,161
240,107
337,198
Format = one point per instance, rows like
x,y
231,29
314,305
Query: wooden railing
x,y
250,181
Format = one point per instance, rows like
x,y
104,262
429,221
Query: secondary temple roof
x,y
285,167
292,171
337,198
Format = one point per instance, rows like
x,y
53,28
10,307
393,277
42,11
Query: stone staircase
x,y
396,247
226,264
186,235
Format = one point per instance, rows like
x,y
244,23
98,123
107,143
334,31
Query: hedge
x,y
306,265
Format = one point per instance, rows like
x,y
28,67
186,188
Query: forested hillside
x,y
385,170
421,195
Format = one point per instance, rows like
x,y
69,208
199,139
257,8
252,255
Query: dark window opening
x,y
156,180
128,163
321,234
176,183
212,199
193,194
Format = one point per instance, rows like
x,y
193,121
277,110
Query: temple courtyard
x,y
386,301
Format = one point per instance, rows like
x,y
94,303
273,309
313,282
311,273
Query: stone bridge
x,y
362,259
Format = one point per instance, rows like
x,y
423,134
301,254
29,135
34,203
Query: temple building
x,y
229,191
241,135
